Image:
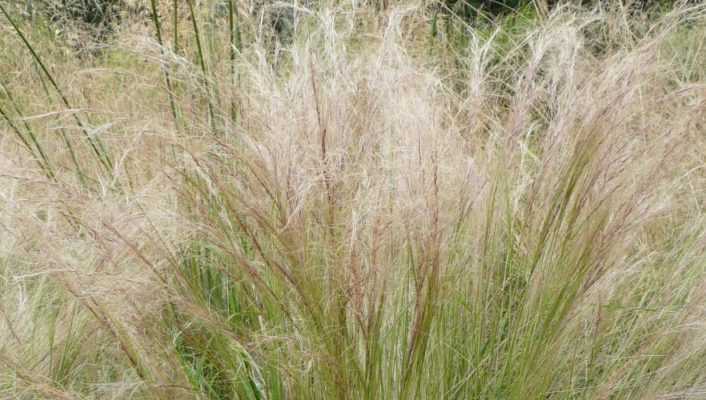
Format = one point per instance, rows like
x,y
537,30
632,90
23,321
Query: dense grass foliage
x,y
354,200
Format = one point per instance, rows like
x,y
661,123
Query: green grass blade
x,y
202,60
44,162
234,37
65,137
175,25
96,144
24,141
167,77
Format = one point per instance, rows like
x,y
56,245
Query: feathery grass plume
x,y
516,214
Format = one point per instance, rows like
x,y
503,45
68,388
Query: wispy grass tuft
x,y
95,143
511,210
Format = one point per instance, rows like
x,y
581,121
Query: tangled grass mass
x,y
353,200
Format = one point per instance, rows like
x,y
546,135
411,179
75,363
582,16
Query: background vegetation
x,y
352,200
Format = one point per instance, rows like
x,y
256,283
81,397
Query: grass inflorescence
x,y
367,200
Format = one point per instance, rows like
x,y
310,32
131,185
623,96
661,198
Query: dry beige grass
x,y
520,216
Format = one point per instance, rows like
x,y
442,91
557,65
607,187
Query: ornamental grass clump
x,y
358,212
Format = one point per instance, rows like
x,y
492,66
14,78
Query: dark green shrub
x,y
96,13
86,25
468,9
